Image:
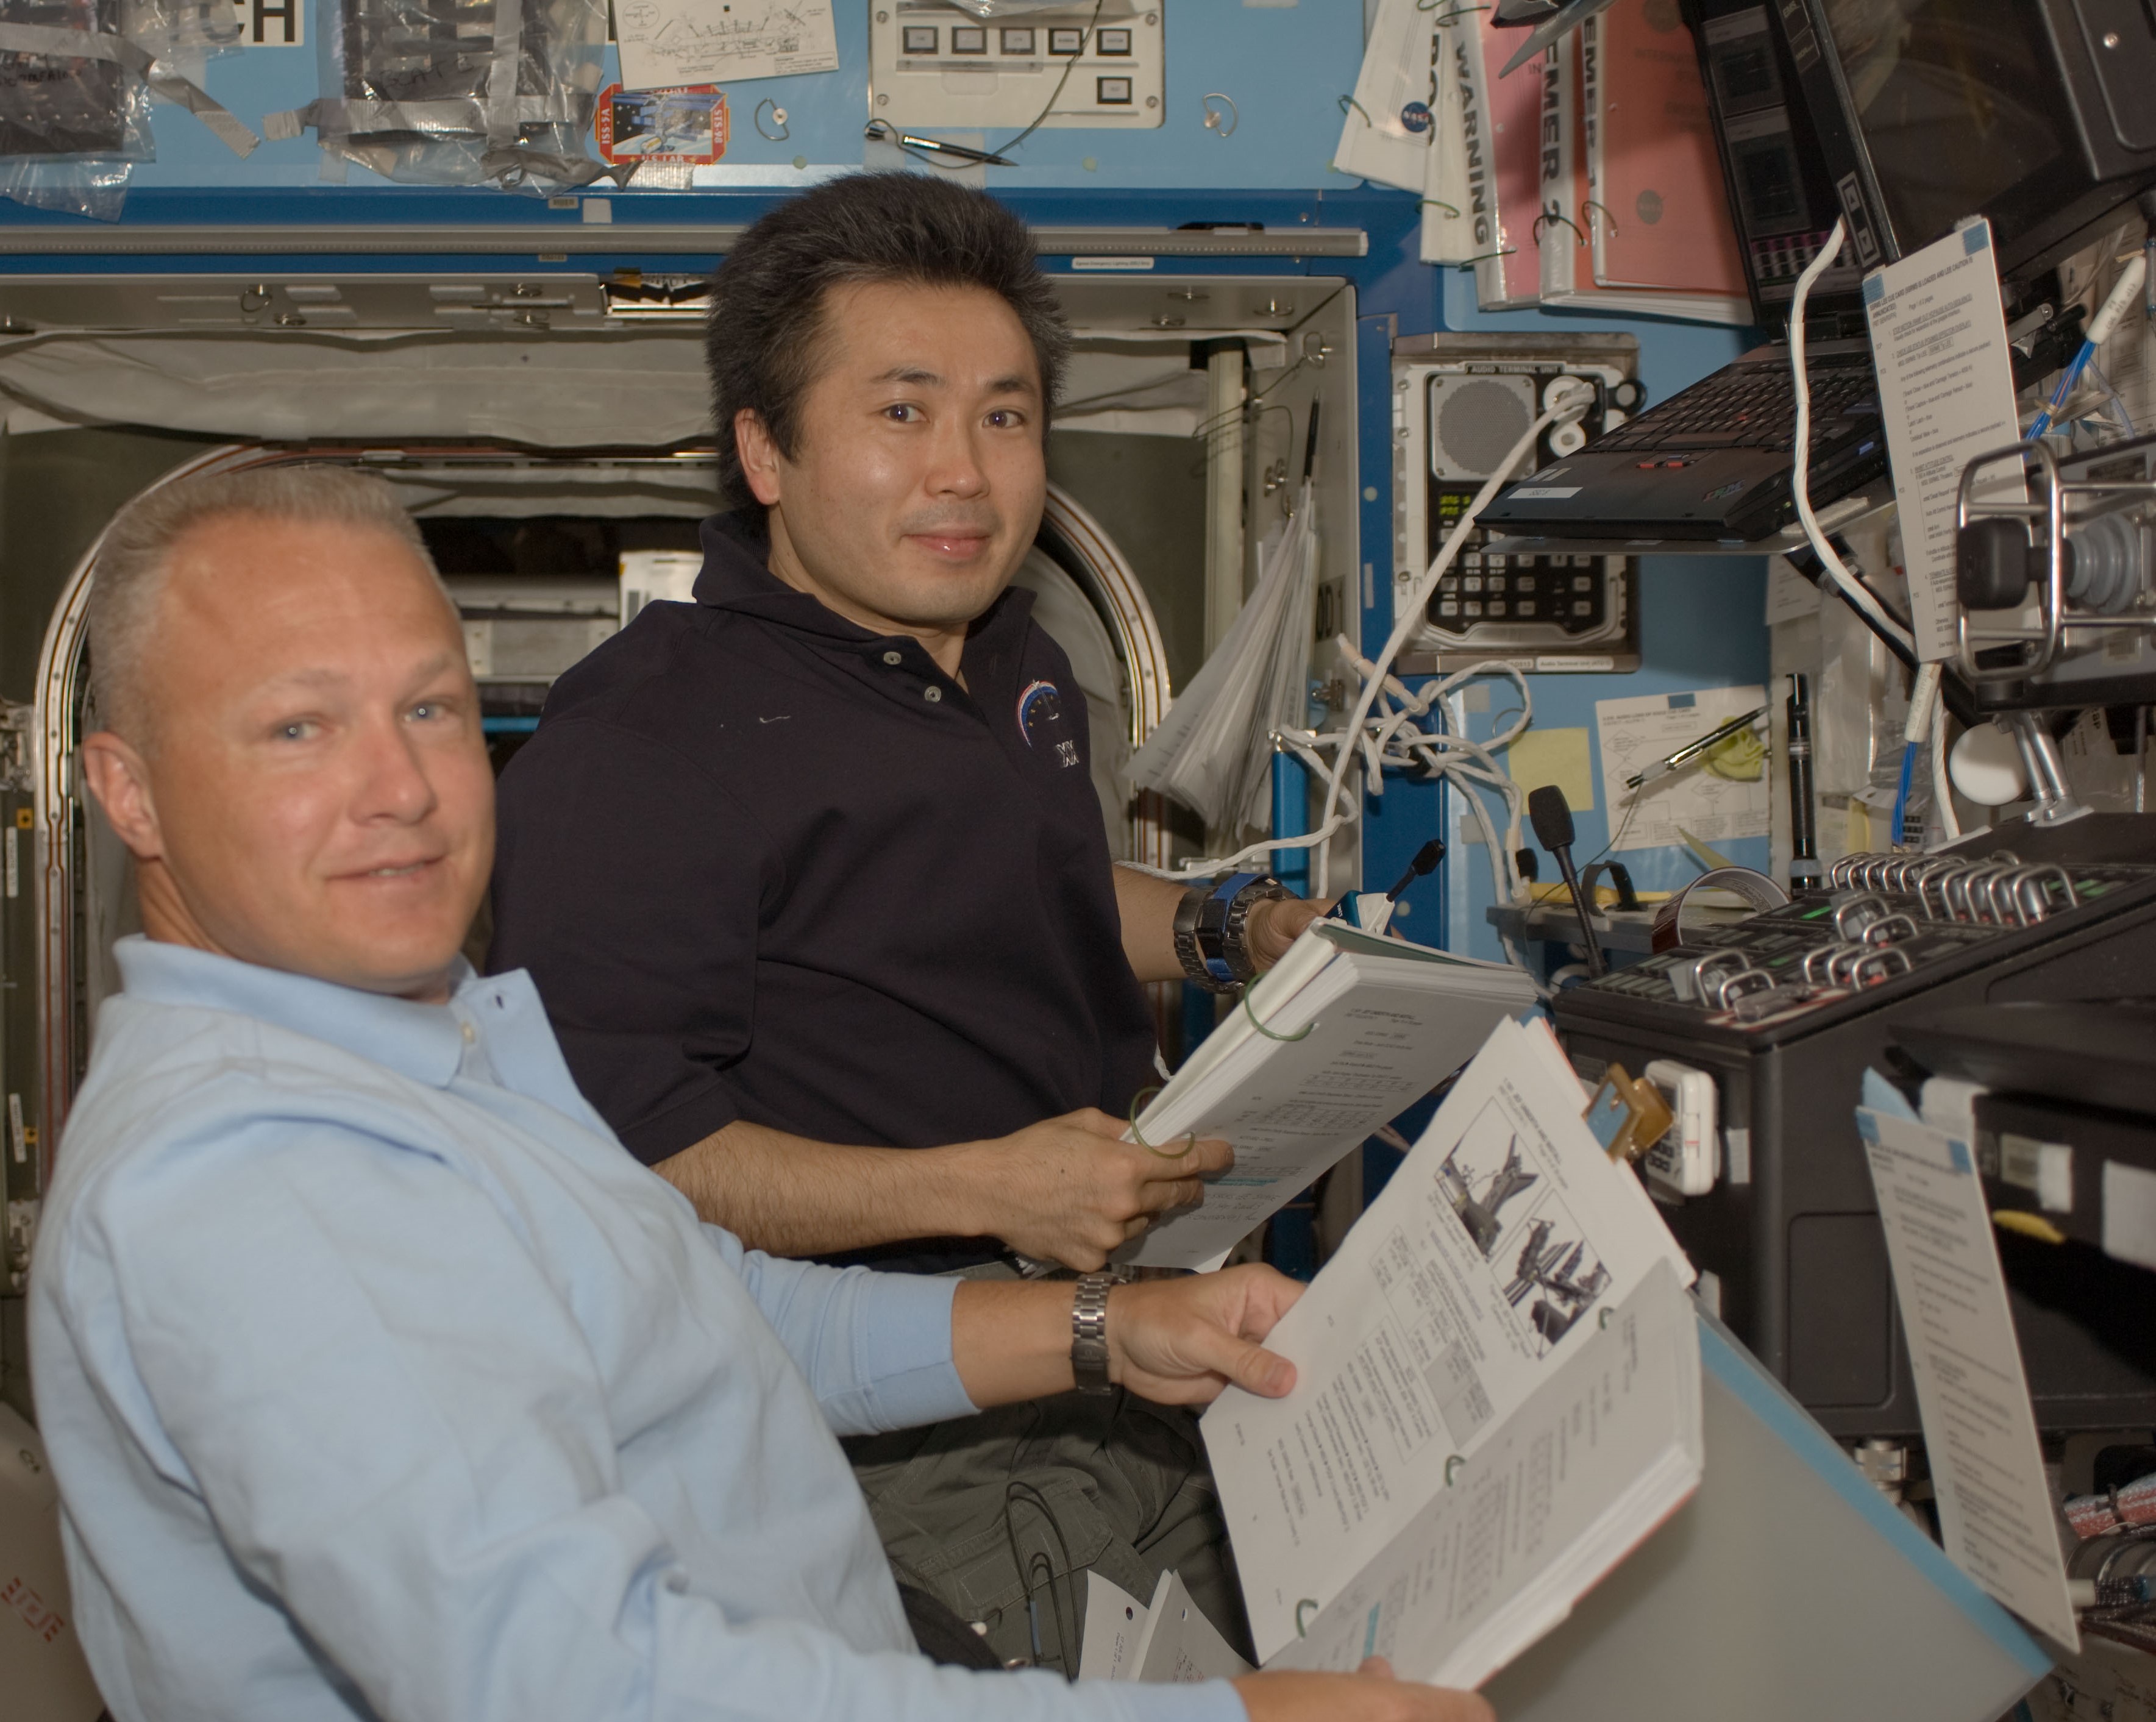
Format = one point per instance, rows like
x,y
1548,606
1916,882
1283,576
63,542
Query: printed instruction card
x,y
1996,1514
1945,396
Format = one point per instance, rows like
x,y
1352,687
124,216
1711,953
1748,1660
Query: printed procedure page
x,y
1468,1283
1348,1049
1600,1455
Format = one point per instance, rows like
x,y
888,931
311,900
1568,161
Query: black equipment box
x,y
1788,1008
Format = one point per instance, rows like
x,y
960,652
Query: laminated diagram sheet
x,y
1634,733
676,41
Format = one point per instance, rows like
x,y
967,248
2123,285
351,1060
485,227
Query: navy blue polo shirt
x,y
765,864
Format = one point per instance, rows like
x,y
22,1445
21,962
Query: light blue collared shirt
x,y
381,1382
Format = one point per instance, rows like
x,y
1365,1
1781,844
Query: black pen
x,y
883,131
1686,755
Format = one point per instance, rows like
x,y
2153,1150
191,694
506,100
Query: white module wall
x,y
934,67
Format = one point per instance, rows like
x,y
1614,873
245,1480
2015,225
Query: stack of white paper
x,y
1355,1029
1470,1284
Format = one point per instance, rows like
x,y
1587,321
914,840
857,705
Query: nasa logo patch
x,y
1040,720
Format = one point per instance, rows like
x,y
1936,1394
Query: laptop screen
x,y
1955,102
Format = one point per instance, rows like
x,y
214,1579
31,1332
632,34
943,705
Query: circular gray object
x,y
1477,426
2106,576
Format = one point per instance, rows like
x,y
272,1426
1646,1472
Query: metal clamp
x,y
1875,968
1819,963
1852,917
1691,977
1733,988
1889,930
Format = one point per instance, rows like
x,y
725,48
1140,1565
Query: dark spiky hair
x,y
768,303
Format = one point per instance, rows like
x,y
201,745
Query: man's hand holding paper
x,y
1342,1034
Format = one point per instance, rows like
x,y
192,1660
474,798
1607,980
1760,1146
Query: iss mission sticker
x,y
687,124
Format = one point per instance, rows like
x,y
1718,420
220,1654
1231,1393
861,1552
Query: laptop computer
x,y
1714,461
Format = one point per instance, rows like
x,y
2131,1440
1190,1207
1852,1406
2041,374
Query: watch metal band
x,y
1211,921
1089,1332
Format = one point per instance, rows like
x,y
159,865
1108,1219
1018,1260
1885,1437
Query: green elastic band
x,y
1303,1034
1189,1137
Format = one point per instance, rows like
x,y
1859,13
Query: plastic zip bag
x,y
459,92
1213,750
75,89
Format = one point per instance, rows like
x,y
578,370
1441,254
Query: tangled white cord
x,y
1386,727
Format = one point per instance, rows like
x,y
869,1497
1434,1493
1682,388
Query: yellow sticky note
x,y
1554,756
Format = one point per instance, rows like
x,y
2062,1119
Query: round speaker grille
x,y
1478,422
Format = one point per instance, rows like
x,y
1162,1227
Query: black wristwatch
x,y
1210,923
1089,1332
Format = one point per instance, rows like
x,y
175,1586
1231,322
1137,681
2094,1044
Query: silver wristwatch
x,y
1210,923
1089,1332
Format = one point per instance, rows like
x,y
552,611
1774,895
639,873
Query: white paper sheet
x,y
1383,1030
669,41
1996,1514
1375,141
1467,1284
1581,1474
1633,733
1946,393
1115,1627
1178,1645
1791,597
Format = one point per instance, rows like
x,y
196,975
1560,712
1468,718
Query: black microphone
x,y
1552,821
1425,860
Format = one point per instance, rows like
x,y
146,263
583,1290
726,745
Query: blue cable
x,y
1902,795
2067,384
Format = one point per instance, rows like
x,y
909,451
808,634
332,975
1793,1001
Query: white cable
x,y
1942,789
1800,475
1398,738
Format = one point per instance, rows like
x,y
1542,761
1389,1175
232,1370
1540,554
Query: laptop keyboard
x,y
1749,407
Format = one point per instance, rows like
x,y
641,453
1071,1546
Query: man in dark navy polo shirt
x,y
813,870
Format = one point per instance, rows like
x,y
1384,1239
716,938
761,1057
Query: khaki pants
x,y
1002,1515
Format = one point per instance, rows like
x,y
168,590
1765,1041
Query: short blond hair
x,y
134,555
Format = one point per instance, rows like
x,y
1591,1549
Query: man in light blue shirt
x,y
378,1382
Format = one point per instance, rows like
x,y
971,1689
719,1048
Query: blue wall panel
x,y
1285,67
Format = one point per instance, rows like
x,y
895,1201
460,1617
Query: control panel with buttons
x,y
1493,604
1461,401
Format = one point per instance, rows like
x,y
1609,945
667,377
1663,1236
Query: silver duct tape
x,y
463,117
502,101
518,162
